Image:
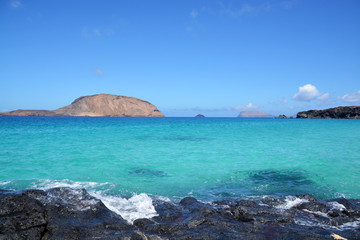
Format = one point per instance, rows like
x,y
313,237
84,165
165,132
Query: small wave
x,y
135,207
2,183
290,202
337,206
138,206
47,184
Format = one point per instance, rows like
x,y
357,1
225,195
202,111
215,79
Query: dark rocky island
x,y
282,116
65,213
99,105
199,116
352,112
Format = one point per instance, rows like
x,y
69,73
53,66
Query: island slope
x,y
97,106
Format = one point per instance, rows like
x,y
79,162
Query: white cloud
x,y
352,97
249,106
194,14
15,4
306,93
98,71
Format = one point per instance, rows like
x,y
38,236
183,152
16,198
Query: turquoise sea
x,y
207,158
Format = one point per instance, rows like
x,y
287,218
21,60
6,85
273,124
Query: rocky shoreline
x,y
350,112
65,213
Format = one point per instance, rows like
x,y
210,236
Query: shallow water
x,y
208,158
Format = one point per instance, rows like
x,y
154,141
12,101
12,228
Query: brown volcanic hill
x,y
254,114
350,112
98,105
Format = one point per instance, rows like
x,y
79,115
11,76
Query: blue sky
x,y
186,57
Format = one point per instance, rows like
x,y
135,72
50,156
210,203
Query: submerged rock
x,y
65,213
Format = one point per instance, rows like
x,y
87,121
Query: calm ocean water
x,y
208,158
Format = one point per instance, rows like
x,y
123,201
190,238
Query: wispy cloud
x,y
194,13
98,71
352,97
15,4
283,100
325,99
246,9
306,93
87,32
288,4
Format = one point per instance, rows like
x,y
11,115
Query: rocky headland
x,y
351,112
99,105
65,213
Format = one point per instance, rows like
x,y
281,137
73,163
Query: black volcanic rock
x,y
352,112
65,213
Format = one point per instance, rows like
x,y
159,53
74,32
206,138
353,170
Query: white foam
x,y
317,213
46,184
345,226
337,206
2,183
138,206
290,202
350,225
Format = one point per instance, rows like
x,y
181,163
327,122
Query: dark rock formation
x,y
98,105
352,112
64,213
254,114
282,116
200,116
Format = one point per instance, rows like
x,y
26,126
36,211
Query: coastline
x,y
68,213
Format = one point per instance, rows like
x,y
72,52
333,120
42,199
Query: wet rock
x,y
64,213
314,207
21,217
308,197
168,212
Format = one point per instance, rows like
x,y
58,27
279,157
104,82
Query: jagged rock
x,y
352,112
98,105
282,116
65,213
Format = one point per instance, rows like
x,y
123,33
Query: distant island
x,y
351,112
254,114
199,116
99,105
